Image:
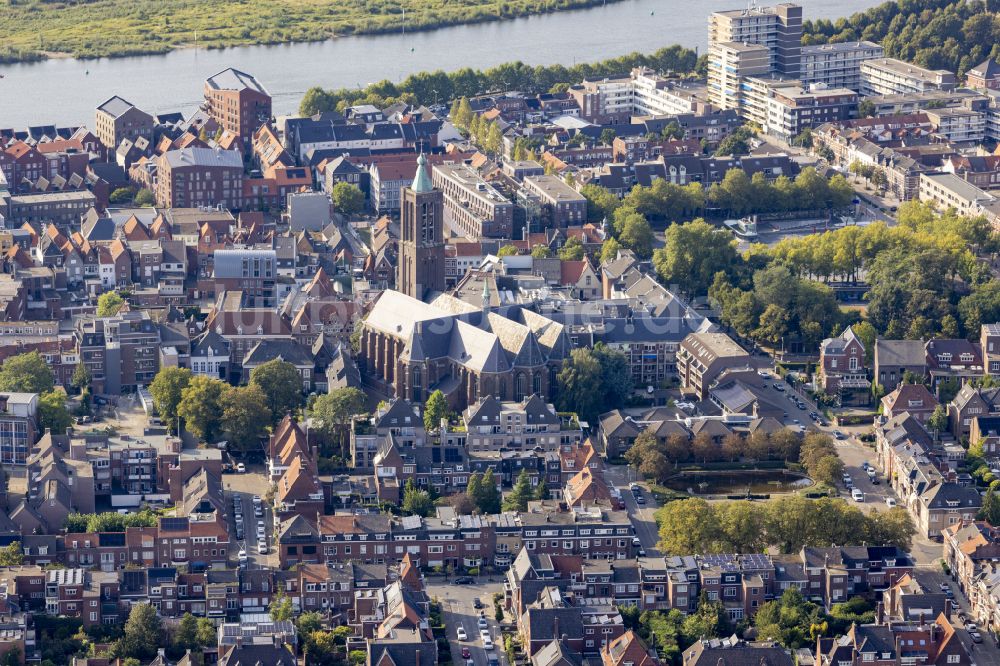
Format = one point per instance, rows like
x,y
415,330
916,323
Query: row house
x,y
923,475
79,593
931,641
972,552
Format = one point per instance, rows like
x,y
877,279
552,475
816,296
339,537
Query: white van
x,y
858,495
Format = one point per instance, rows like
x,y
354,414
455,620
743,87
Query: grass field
x,y
91,29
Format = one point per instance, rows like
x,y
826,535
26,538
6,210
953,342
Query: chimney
x,y
416,658
555,627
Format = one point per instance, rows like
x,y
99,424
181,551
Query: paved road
x,y
642,516
931,576
246,486
457,610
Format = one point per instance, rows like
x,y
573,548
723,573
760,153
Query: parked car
x,y
858,495
639,499
943,586
466,652
262,547
838,435
482,623
890,502
975,636
462,636
778,387
241,468
242,557
463,580
476,603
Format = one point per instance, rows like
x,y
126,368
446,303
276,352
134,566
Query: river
x,y
65,91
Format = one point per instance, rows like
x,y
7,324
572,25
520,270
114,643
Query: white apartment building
x,y
888,76
778,29
837,65
728,64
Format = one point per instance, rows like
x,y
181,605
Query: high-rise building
x,y
837,65
779,28
421,246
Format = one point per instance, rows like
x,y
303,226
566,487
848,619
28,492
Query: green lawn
x,y
127,27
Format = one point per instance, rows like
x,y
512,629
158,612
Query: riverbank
x,y
119,28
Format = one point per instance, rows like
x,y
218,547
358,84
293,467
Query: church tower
x,y
421,246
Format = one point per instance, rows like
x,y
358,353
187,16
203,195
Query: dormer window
x,y
945,357
966,357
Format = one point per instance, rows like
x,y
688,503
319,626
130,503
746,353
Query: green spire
x,y
486,293
422,180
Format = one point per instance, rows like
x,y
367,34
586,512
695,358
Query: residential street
x,y
457,611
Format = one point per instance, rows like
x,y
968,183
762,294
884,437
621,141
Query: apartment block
x,y
888,76
560,205
784,108
778,29
200,177
702,357
238,102
473,208
728,64
838,65
118,119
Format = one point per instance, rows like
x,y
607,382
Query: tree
x,y
121,195
489,497
692,255
52,412
143,632
616,376
435,410
309,622
688,527
281,384
347,198
610,250
416,502
245,416
81,377
608,136
200,406
637,235
508,251
207,635
579,377
517,498
186,634
542,489
541,252
989,511
166,389
11,555
601,202
109,303
572,250
144,198
866,108
938,420
334,411
26,373
281,607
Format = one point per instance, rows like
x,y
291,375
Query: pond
x,y
736,482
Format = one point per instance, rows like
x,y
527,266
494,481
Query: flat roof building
x,y
887,76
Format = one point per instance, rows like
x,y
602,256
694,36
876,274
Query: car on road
x,y
890,502
466,652
484,635
463,580
944,586
482,623
262,547
778,387
976,637
838,435
971,626
639,499
242,556
462,636
764,374
867,466
476,603
857,495
241,468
